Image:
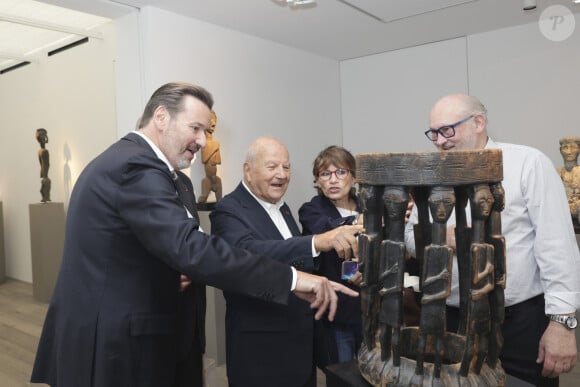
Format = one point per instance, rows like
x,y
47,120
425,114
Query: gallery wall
x,y
260,88
530,85
72,95
385,96
89,96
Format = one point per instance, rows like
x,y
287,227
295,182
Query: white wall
x,y
129,95
386,97
372,104
530,85
71,94
260,88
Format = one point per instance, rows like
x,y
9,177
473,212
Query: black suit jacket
x,y
113,317
318,216
192,307
266,345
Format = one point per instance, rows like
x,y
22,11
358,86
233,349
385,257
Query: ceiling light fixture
x,y
300,2
296,3
530,4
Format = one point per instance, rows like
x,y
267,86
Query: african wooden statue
x,y
211,158
442,184
436,280
496,297
44,160
570,173
369,245
391,273
482,280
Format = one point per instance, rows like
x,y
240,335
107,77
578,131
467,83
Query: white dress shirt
x,y
541,249
273,210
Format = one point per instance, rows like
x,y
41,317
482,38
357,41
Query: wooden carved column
x,y
393,354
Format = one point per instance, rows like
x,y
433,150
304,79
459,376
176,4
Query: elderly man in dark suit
x,y
113,320
269,345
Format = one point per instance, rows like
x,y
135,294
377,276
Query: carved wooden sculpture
x,y
436,280
392,261
482,282
211,158
570,174
428,355
496,298
44,160
369,259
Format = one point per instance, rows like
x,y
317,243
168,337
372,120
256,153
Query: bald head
x,y
468,117
267,169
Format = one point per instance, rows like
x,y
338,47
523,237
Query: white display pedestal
x,y
215,329
47,224
2,249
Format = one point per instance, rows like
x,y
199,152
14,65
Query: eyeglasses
x,y
446,131
340,173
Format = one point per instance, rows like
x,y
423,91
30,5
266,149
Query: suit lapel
x,y
261,221
292,225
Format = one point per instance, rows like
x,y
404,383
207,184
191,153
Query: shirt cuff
x,y
314,252
294,278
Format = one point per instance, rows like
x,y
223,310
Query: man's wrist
x,y
567,320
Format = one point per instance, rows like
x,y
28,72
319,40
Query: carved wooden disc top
x,y
430,168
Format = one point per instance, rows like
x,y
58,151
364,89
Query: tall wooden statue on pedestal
x,y
44,160
428,355
47,223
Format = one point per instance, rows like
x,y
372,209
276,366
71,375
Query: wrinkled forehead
x,y
273,154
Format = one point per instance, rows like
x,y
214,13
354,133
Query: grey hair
x,y
475,106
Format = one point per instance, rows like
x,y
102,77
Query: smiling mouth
x,y
277,185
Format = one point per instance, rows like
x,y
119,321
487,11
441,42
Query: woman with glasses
x,y
335,205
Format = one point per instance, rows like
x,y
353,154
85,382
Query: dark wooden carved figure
x,y
443,185
391,269
44,160
369,245
436,279
482,259
496,297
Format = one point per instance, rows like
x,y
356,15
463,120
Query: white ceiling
x,y
343,29
338,29
29,29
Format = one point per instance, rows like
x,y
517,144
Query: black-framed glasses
x,y
340,173
446,131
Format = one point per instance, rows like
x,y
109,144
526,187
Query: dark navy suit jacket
x,y
318,216
113,317
266,345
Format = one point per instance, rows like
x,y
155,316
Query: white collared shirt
x,y
541,249
273,210
162,157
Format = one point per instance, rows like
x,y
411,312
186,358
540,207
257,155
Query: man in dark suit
x,y
113,320
266,344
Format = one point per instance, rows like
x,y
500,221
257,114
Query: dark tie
x,y
185,193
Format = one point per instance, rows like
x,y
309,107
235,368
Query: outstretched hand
x,y
341,239
320,293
